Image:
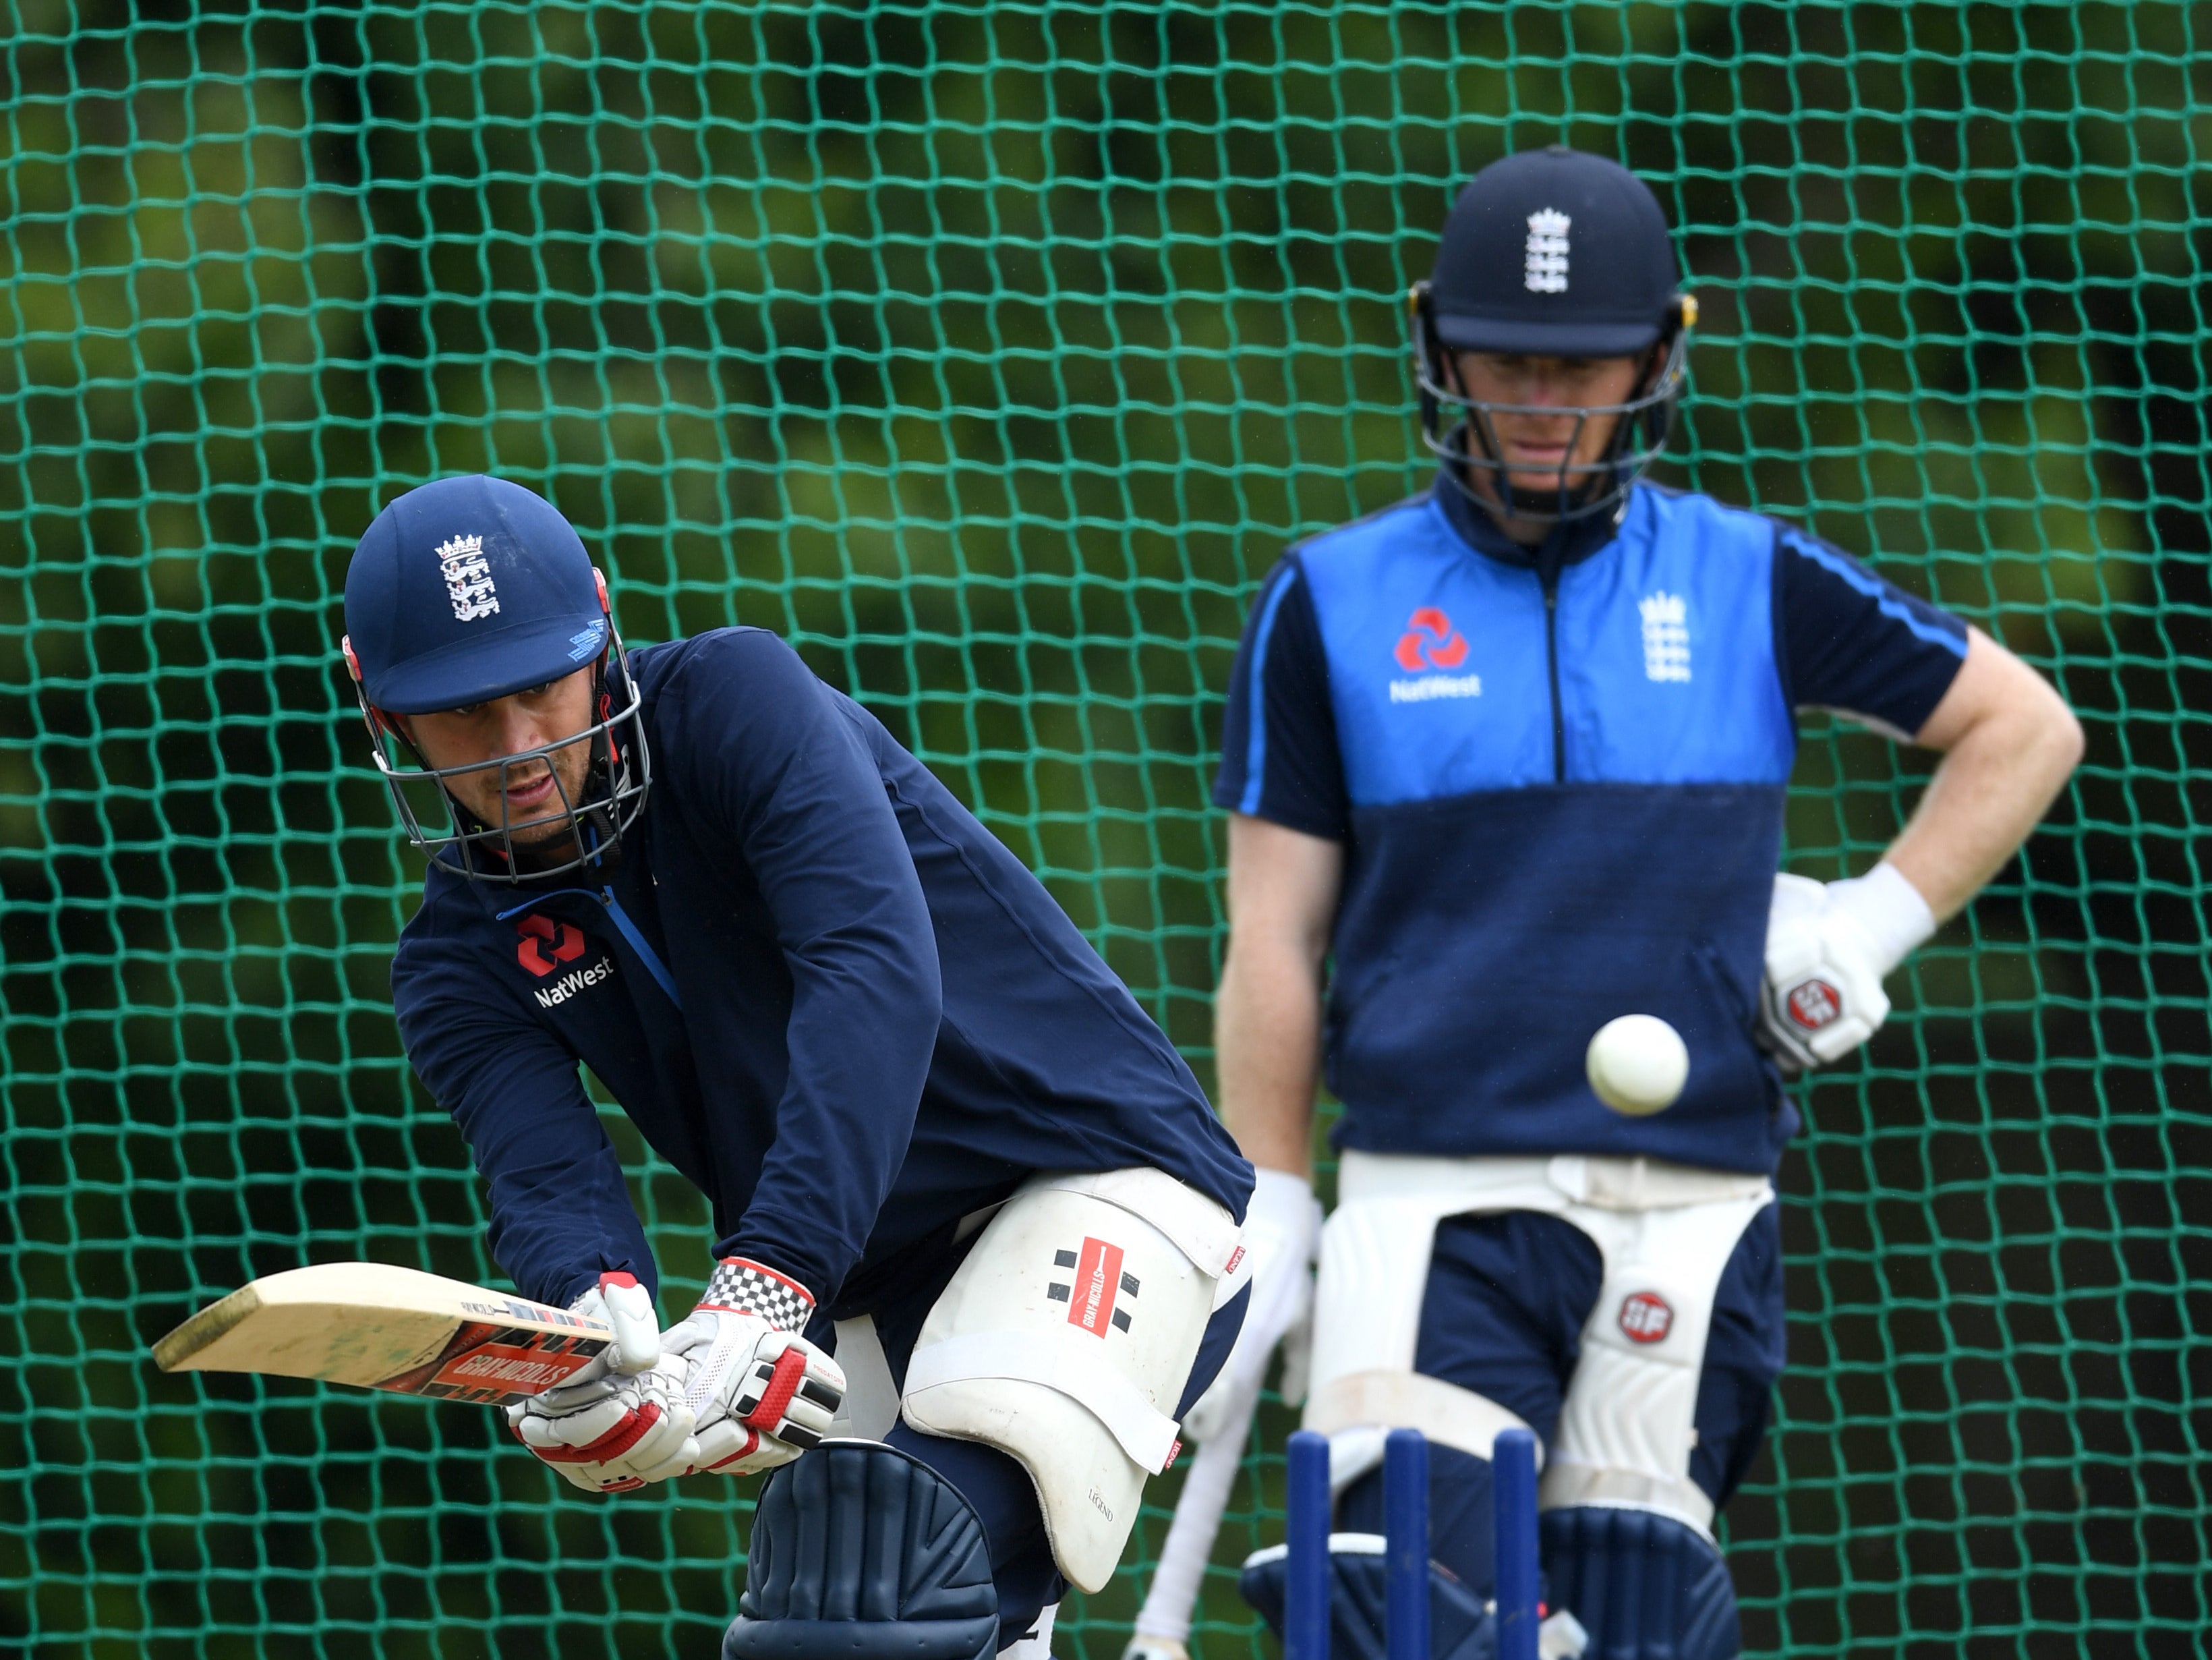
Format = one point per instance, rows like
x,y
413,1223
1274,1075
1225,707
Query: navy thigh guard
x,y
859,1552
1502,1315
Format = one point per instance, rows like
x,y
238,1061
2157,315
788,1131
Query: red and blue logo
x,y
544,944
1429,642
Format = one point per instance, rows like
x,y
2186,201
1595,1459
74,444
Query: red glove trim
x,y
751,1446
614,1443
782,1383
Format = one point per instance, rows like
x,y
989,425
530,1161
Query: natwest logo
x,y
1429,642
546,944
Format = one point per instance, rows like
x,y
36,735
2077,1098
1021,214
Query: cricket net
x,y
991,353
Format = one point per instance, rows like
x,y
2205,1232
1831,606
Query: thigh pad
x,y
1066,1339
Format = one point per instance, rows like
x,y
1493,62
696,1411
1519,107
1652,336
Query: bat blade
x,y
381,1328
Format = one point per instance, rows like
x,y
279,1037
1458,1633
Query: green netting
x,y
991,352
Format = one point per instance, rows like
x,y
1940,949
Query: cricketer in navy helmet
x,y
1509,759
976,1229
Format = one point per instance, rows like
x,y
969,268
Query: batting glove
x,y
1280,1226
758,1393
1828,946
601,1430
620,1302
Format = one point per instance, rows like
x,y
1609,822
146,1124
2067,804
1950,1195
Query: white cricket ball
x,y
1638,1064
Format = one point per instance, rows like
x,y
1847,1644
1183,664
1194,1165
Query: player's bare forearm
x,y
1267,1034
1283,887
2009,744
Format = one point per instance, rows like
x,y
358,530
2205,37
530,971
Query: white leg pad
x,y
1065,1339
1358,1410
1625,1430
1627,1426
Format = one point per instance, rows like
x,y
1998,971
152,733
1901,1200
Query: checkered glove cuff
x,y
746,1287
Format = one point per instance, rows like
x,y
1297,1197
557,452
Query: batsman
x,y
976,1229
1502,762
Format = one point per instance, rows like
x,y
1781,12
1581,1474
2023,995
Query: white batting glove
x,y
1828,946
759,1395
619,1422
1281,1225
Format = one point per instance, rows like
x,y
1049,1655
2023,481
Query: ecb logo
x,y
469,582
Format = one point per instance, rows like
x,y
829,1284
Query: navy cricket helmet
x,y
468,590
1552,253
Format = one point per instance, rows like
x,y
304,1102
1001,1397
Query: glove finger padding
x,y
609,1435
792,1393
1821,1013
1827,949
620,1302
765,1405
760,1394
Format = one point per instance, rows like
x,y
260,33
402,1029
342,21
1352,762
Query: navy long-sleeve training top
x,y
822,990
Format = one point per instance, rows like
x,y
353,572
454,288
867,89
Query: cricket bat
x,y
380,1327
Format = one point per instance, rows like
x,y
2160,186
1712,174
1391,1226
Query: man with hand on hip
x,y
1503,763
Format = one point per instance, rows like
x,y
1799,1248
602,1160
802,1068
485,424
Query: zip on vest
x,y
1550,578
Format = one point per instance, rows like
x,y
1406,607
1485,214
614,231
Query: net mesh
x,y
991,353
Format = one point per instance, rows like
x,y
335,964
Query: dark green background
x,y
991,353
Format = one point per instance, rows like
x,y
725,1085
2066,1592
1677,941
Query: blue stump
x,y
1513,1495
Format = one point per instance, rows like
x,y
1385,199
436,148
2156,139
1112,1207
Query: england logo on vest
x,y
468,578
1666,636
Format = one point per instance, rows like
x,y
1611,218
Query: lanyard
x,y
630,932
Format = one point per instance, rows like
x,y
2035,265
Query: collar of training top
x,y
1568,542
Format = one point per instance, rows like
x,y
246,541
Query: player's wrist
x,y
1888,909
741,1285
